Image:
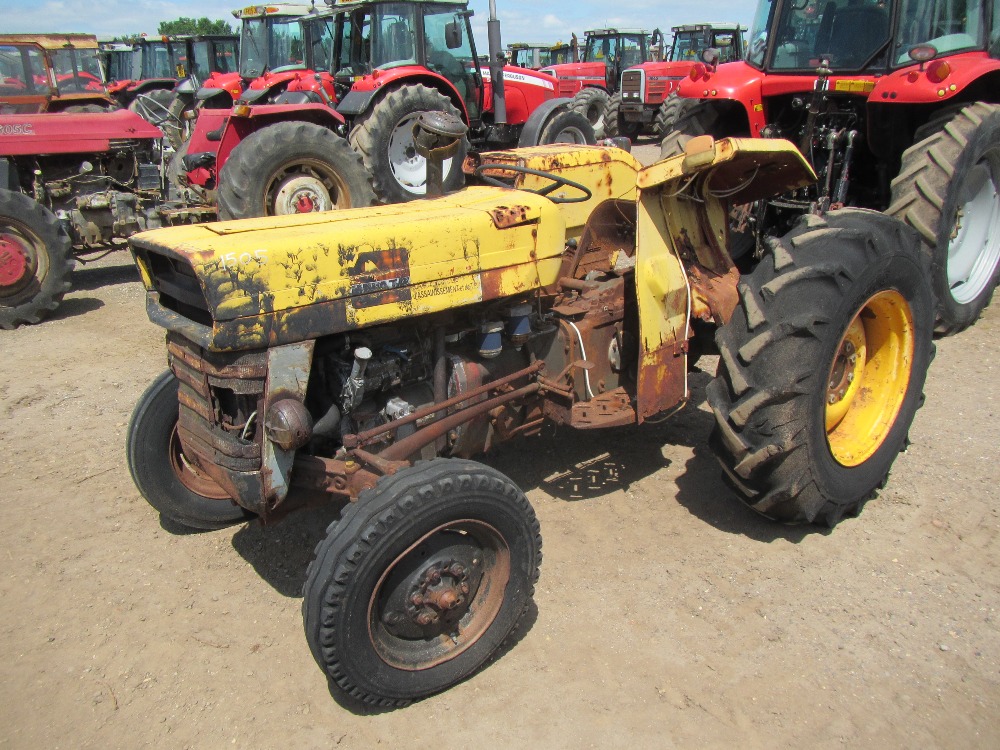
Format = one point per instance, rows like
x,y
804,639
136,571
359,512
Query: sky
x,y
519,19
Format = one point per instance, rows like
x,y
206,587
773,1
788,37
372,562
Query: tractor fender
x,y
914,86
533,128
362,96
238,127
356,102
186,86
737,82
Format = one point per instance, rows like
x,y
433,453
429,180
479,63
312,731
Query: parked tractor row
x,y
319,115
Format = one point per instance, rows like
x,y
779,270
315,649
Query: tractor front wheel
x,y
670,114
948,189
292,167
421,580
591,103
616,125
822,366
166,478
35,260
384,139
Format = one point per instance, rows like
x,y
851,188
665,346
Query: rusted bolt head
x,y
426,618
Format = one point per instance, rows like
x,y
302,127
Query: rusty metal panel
x,y
287,377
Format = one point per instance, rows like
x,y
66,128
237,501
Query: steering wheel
x,y
557,182
155,113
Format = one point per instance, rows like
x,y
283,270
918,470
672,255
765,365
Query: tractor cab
x,y
50,72
872,36
691,41
117,59
397,40
536,56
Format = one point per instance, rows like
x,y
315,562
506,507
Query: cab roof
x,y
52,41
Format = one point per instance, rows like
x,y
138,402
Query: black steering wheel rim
x,y
557,182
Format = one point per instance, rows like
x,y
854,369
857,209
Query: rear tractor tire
x,y
591,103
35,260
948,189
421,581
292,167
822,366
384,139
166,479
615,125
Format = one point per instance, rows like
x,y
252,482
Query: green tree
x,y
192,26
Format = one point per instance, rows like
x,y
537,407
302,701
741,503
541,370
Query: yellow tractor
x,y
366,355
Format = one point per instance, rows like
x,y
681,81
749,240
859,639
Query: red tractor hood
x,y
71,133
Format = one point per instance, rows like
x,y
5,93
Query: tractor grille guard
x,y
219,398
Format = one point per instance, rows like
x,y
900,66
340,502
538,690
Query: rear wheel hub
x,y
15,261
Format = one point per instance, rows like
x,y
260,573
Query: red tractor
x,y
51,73
328,134
73,184
645,92
280,47
896,105
592,80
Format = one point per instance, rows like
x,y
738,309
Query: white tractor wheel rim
x,y
408,167
302,194
974,249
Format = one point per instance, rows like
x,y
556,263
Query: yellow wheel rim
x,y
868,378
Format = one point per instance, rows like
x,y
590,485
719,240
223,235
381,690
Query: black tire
x,y
615,125
687,119
383,137
951,174
285,166
180,128
670,112
591,103
35,260
567,126
360,619
822,292
87,109
169,483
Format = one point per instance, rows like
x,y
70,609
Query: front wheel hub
x,y
869,377
15,261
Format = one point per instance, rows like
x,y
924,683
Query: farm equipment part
x,y
643,99
897,106
537,56
565,290
592,80
390,62
51,73
71,185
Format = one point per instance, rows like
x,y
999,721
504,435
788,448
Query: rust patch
x,y
505,217
611,409
713,296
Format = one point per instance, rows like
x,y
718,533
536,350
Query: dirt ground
x,y
667,614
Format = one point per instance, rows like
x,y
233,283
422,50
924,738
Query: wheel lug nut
x,y
417,599
831,399
850,377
